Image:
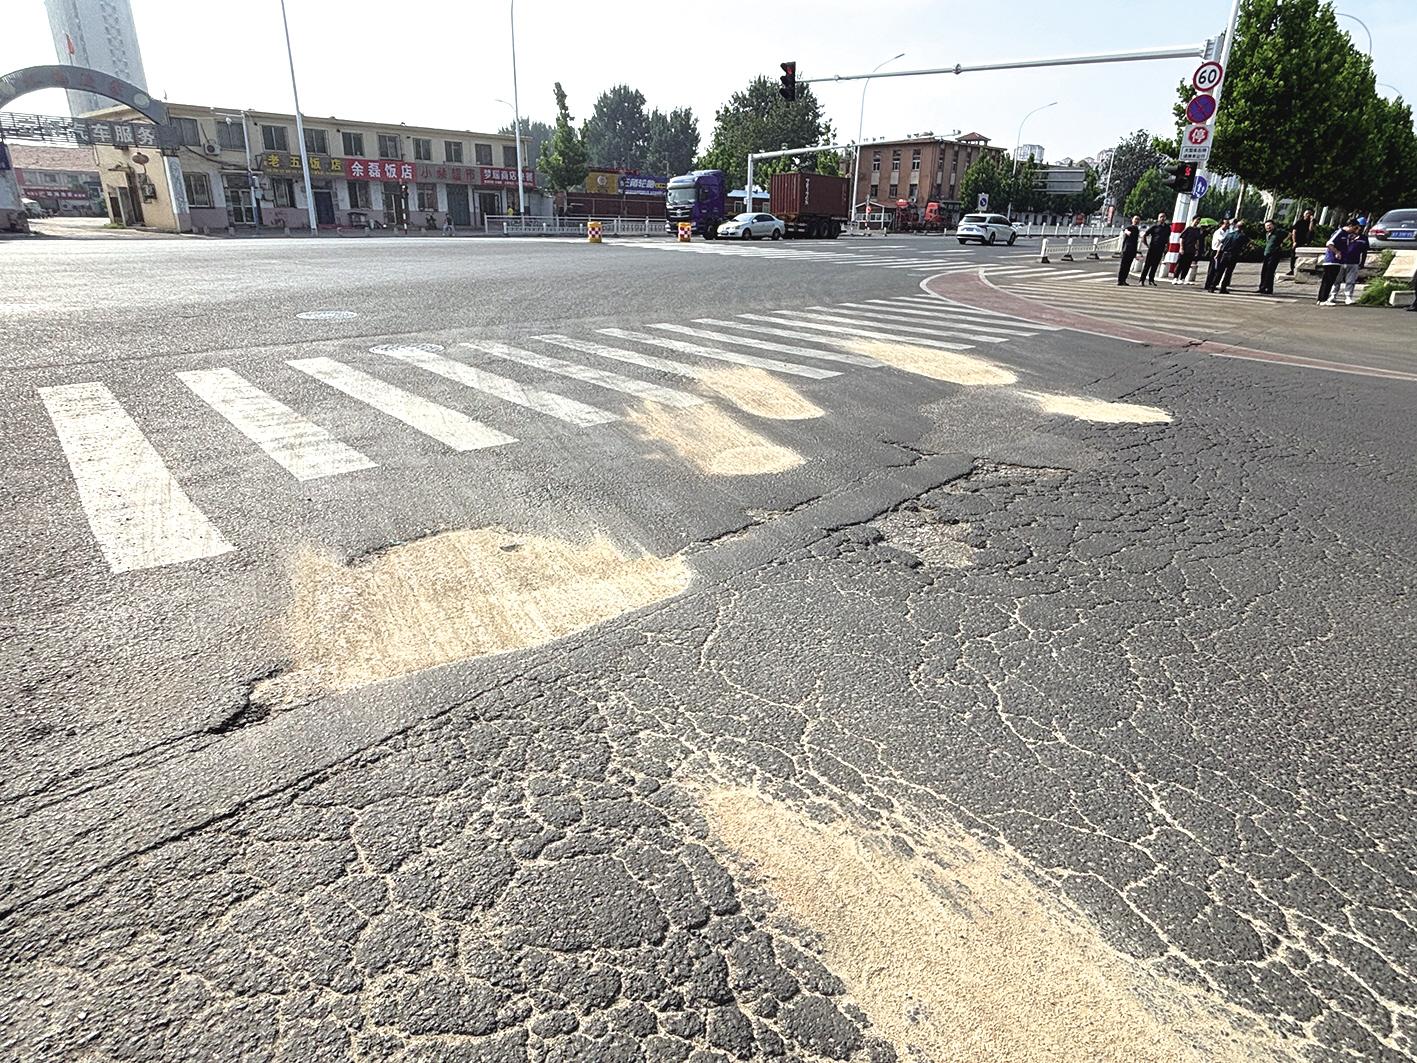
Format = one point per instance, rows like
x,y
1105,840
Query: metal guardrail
x,y
535,226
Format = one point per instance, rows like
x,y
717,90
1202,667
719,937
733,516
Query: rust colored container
x,y
818,195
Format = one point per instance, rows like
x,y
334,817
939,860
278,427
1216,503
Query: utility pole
x,y
299,127
517,115
861,125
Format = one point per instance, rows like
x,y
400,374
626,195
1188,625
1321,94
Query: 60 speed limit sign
x,y
1207,76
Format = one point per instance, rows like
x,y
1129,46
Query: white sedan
x,y
753,227
986,228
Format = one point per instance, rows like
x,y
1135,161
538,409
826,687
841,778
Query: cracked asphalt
x,y
1162,670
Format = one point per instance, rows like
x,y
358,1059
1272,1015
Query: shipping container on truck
x,y
814,205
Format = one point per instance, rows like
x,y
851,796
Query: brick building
x,y
920,170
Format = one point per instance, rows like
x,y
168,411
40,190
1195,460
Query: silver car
x,y
986,228
753,227
1397,229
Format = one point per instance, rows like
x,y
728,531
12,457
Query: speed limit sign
x,y
1207,76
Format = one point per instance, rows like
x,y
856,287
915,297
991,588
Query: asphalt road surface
x,y
442,649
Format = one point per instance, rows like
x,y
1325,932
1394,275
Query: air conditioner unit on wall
x,y
211,149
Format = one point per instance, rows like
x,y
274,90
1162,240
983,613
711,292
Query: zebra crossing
x,y
141,517
925,261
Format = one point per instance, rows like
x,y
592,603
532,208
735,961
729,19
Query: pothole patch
x,y
938,543
397,348
327,315
935,363
451,597
960,956
1086,409
712,441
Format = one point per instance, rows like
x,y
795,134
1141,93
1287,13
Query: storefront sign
x,y
48,129
501,175
43,192
377,169
438,171
602,184
641,184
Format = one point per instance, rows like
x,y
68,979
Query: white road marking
x,y
302,448
880,320
504,388
455,429
768,345
940,306
870,334
599,377
619,354
138,513
765,330
1021,328
327,315
770,364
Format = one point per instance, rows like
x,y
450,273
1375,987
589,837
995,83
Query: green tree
x,y
1133,156
534,137
1224,205
564,159
672,142
1397,165
758,119
617,132
1149,197
988,175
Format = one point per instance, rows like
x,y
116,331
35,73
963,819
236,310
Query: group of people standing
x,y
1343,254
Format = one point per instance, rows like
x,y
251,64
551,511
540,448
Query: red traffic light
x,y
788,91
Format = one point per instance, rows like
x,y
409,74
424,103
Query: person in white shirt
x,y
1216,239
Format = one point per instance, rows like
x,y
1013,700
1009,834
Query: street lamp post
x,y
516,125
299,126
517,113
1018,143
860,125
1355,18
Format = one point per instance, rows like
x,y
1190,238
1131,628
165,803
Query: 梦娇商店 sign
x,y
503,175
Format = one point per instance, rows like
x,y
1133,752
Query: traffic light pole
x,y
1180,51
755,156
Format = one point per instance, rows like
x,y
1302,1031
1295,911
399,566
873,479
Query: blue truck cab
x,y
700,197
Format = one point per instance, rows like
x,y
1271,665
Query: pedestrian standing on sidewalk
x,y
1231,248
1302,229
1157,238
1212,273
1130,235
1192,240
1353,256
1273,252
1333,262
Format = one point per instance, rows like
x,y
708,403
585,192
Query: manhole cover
x,y
395,348
326,315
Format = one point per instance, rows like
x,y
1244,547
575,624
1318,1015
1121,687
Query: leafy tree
x,y
1149,197
1132,157
617,131
564,159
534,136
672,141
989,174
1224,205
1396,184
758,119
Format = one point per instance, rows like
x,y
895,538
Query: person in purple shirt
x,y
1334,260
1353,256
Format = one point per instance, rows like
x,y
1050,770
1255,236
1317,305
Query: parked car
x,y
986,228
32,208
753,227
1397,229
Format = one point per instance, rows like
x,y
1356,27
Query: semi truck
x,y
812,205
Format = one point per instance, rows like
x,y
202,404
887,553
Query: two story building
x,y
242,169
920,170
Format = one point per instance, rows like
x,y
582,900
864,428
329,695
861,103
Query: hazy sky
x,y
444,62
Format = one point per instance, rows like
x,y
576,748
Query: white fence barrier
x,y
534,226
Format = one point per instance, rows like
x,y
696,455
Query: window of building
x,y
358,195
391,196
275,138
427,196
422,149
483,153
231,134
283,191
895,160
452,150
353,144
895,190
199,189
389,146
915,158
875,162
188,132
509,155
875,191
317,142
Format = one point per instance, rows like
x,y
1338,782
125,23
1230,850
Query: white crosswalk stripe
x,y
302,448
456,430
938,307
599,377
866,318
904,314
770,364
759,329
789,317
138,513
620,354
769,345
504,388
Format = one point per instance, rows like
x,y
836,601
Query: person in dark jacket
x,y
1157,237
1273,252
1192,240
1130,235
1302,229
1231,248
1212,271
